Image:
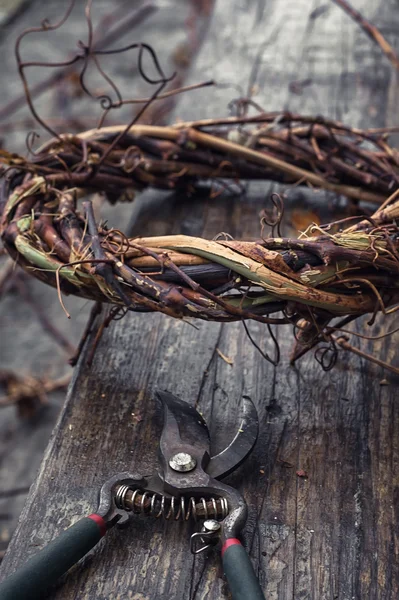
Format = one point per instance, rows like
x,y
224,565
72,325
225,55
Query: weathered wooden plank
x,y
331,535
25,347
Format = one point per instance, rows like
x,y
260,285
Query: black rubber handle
x,y
243,583
31,581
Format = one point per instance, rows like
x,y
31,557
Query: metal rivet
x,y
211,525
182,461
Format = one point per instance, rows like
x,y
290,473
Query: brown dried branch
x,y
343,342
370,30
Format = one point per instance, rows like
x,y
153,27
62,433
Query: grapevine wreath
x,y
319,282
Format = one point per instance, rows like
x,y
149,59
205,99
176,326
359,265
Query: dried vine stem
x,y
328,272
282,147
125,23
342,341
370,30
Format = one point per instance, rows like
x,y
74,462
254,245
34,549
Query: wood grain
x,y
330,535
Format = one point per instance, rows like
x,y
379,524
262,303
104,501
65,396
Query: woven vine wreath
x,y
342,270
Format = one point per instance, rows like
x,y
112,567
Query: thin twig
x,y
371,30
343,343
126,25
95,311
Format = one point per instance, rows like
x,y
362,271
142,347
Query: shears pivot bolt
x,y
183,462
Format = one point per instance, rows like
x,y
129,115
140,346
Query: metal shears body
x,y
187,485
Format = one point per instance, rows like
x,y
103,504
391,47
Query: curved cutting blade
x,y
240,447
183,424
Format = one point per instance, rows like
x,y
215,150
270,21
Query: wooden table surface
x,y
332,535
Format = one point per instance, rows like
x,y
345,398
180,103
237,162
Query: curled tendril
x,y
117,313
161,83
327,356
45,26
265,220
131,159
106,102
86,53
264,354
31,138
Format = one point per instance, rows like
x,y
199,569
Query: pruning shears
x,y
187,485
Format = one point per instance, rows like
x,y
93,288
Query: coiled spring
x,y
156,505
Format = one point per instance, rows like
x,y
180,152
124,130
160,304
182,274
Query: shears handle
x,y
33,579
241,577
